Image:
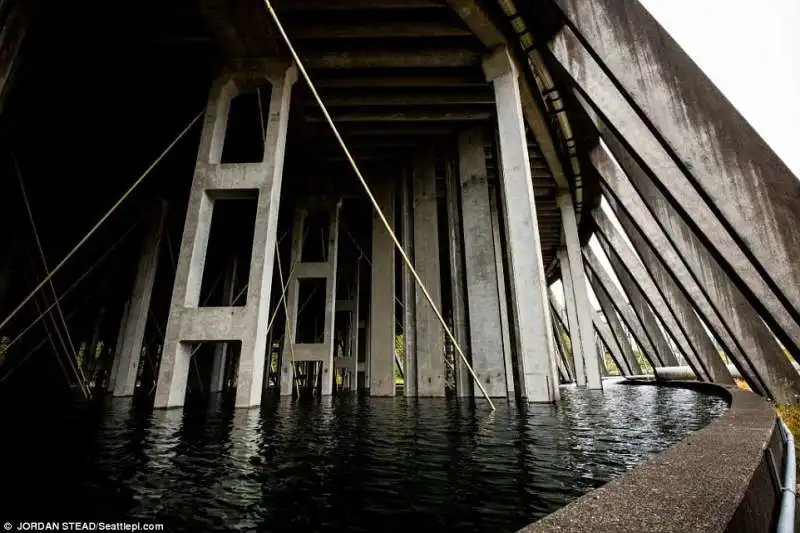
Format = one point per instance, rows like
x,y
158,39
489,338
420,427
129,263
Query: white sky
x,y
751,51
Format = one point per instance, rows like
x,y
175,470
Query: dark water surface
x,y
342,465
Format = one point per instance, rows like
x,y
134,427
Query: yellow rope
x,y
99,223
374,202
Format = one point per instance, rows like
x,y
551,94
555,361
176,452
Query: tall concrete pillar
x,y
139,306
189,323
222,349
293,351
728,313
483,292
464,385
571,324
576,295
505,324
672,307
536,350
429,334
123,323
381,309
409,287
620,342
712,166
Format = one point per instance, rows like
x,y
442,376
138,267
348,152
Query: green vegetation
x,y
399,349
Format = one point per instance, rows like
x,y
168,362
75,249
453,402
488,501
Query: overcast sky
x,y
751,51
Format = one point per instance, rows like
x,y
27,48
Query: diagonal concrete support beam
x,y
638,316
610,342
672,308
723,180
560,330
615,329
665,238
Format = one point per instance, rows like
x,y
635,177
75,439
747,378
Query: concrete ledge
x,y
718,479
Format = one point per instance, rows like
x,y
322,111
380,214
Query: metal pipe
x,y
788,495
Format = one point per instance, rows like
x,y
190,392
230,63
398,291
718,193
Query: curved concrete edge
x,y
719,479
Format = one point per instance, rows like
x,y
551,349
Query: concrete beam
x,y
438,98
429,337
576,292
711,166
560,330
571,324
376,30
409,286
381,309
672,307
406,116
627,360
378,58
443,79
486,327
742,333
138,308
536,350
632,315
289,6
610,342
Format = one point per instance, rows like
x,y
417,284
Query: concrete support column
x,y
381,309
675,312
409,287
293,351
536,350
713,168
609,340
464,385
222,349
429,335
486,326
576,296
139,306
571,324
188,323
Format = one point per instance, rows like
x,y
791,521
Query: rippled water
x,y
342,465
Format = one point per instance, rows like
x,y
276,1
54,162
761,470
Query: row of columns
x,y
690,273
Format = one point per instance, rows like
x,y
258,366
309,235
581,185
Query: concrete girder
x,y
671,306
376,30
637,315
377,58
743,334
709,163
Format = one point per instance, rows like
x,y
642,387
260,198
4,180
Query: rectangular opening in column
x,y
247,123
316,236
311,310
229,252
212,369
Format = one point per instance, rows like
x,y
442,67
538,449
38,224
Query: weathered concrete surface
x,y
560,330
464,385
576,293
613,346
429,337
483,292
709,482
222,350
638,316
409,286
189,323
671,306
505,322
618,334
536,350
601,284
743,335
381,309
138,307
678,303
724,179
571,324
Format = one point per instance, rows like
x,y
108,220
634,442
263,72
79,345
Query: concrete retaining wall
x,y
718,479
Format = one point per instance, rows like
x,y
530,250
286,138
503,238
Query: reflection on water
x,y
342,465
